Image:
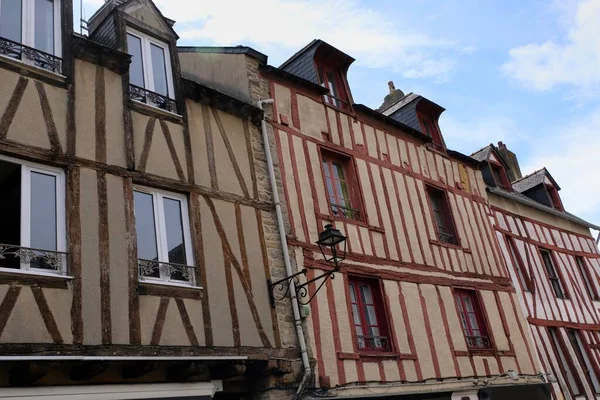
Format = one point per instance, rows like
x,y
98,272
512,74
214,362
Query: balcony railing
x,y
447,238
12,256
346,212
378,343
154,99
478,342
153,269
30,55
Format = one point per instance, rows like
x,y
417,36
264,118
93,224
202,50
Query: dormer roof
x,y
534,179
490,153
406,110
302,63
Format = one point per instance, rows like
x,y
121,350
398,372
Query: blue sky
x,y
524,72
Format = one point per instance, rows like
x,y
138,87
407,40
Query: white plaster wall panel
x,y
371,208
409,218
351,371
353,239
422,161
328,353
397,316
404,158
292,197
394,153
333,126
383,209
438,331
390,368
347,138
365,238
283,99
381,144
413,157
371,141
396,216
312,117
431,165
412,296
305,187
372,371
419,212
343,316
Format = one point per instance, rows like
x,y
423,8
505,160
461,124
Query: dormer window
x,y
150,73
500,176
554,198
430,127
332,80
30,31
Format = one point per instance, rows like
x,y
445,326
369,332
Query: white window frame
x,y
28,26
61,235
161,235
146,41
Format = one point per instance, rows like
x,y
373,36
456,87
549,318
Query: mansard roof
x,y
483,155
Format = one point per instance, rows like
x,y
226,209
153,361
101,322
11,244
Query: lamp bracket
x,y
300,289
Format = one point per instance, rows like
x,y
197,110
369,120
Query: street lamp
x,y
332,244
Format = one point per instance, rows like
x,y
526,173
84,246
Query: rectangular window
x,y
34,24
554,198
566,365
587,277
471,319
555,281
442,217
518,263
368,315
163,237
150,73
583,358
332,80
500,177
341,187
431,129
33,236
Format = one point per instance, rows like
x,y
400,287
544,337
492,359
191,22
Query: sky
x,y
523,72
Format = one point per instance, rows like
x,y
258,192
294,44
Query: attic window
x,y
332,79
150,73
430,127
554,198
500,177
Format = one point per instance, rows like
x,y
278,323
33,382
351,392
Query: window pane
x,y
174,226
145,227
356,315
43,211
44,25
10,203
136,69
566,364
159,70
371,315
11,19
367,298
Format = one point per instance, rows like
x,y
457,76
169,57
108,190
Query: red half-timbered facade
x,y
423,297
554,264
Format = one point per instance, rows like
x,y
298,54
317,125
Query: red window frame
x,y
565,362
554,275
430,128
331,78
362,320
339,206
588,280
554,198
441,213
472,321
499,175
521,270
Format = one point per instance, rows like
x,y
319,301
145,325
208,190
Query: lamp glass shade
x,y
330,236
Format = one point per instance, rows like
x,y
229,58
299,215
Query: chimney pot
x,y
391,86
501,145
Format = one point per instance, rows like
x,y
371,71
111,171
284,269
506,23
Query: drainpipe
x,y
286,254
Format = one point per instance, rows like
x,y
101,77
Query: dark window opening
x,y
431,129
554,198
500,177
555,281
442,215
566,364
341,187
332,80
519,265
10,203
583,358
471,319
368,315
587,277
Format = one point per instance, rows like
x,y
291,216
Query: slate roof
x,y
225,50
396,106
532,180
521,198
405,111
482,154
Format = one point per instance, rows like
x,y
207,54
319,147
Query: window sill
x,y
450,246
146,288
375,354
152,111
483,353
430,147
328,217
31,71
31,278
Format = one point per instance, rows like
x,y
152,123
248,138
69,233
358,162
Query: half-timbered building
x,y
554,264
137,225
423,304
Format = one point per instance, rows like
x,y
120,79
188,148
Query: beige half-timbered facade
x,y
137,227
554,264
423,304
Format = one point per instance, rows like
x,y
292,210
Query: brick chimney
x,y
392,98
514,172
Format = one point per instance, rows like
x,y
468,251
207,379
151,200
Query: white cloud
x,y
281,27
575,60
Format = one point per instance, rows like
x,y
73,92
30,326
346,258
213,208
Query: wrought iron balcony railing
x,y
173,272
12,256
478,342
447,238
154,99
378,343
30,55
346,212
